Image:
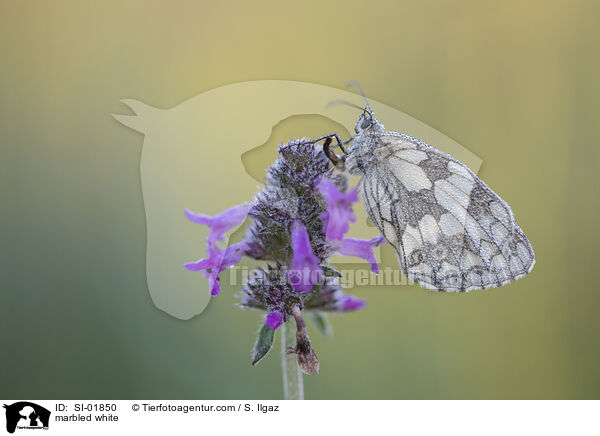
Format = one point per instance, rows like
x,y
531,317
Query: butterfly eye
x,y
367,121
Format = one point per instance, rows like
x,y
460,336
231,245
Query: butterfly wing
x,y
450,230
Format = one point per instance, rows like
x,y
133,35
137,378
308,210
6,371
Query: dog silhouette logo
x,y
26,415
193,157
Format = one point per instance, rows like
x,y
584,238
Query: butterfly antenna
x,y
345,103
355,84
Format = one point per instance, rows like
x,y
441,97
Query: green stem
x,y
293,388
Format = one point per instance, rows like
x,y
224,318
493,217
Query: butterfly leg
x,y
334,158
339,141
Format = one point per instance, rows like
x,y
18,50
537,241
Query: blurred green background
x,y
514,82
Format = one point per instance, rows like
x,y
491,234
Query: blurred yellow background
x,y
514,82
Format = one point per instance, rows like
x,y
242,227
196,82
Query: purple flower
x,y
220,223
360,248
349,302
339,209
274,319
217,262
305,268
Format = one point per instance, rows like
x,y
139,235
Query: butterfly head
x,y
365,121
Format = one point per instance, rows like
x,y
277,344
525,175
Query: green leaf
x,y
320,320
264,342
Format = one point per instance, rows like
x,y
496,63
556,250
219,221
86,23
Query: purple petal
x,y
338,222
215,257
274,319
214,284
217,262
213,261
339,209
349,302
222,222
305,268
329,191
199,264
198,218
361,248
233,254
